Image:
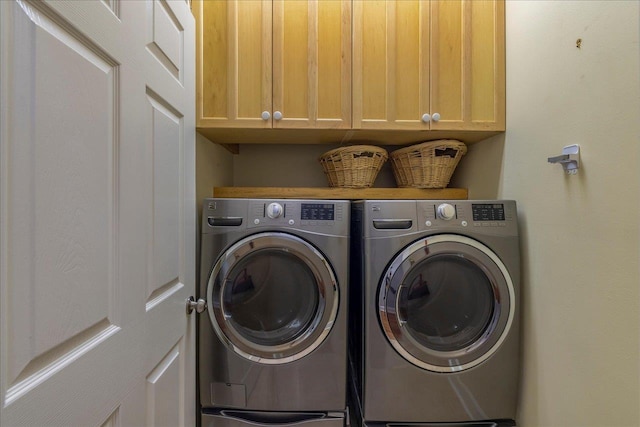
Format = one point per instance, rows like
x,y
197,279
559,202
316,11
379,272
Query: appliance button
x,y
428,223
256,221
464,223
291,222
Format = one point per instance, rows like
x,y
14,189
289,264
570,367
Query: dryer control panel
x,y
488,212
492,214
322,215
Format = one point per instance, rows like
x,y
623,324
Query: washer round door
x,y
273,297
446,303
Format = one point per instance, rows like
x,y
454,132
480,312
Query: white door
x,y
97,213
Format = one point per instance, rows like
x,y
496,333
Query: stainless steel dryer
x,y
435,332
273,344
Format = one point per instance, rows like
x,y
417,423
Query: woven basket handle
x,y
451,152
363,154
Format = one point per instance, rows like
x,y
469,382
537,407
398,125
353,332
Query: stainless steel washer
x,y
273,343
435,312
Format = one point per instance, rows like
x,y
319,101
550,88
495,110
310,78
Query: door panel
x,y
447,27
234,42
370,83
334,64
487,69
167,38
213,102
166,125
61,252
112,421
97,210
312,63
250,26
467,64
165,402
391,64
292,49
407,61
170,110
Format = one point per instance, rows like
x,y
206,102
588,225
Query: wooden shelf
x,y
232,136
340,193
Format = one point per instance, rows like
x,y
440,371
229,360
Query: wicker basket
x,y
427,165
353,167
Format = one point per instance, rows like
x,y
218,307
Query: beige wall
x,y
271,165
580,233
289,166
214,168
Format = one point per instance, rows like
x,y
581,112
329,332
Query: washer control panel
x,y
330,217
317,212
321,215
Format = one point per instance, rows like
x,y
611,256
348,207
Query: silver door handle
x,y
199,306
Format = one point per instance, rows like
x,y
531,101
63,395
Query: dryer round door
x,y
446,303
273,297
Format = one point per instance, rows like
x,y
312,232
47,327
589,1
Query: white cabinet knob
x,y
266,115
277,115
426,118
435,117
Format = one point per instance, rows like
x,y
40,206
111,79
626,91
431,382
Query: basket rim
x,y
355,148
453,143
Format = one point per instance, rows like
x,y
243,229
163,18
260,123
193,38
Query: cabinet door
x,y
390,64
467,65
312,64
234,44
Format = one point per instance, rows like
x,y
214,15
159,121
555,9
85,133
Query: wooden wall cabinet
x,y
429,65
273,64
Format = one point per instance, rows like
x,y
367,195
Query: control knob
x,y
274,210
446,211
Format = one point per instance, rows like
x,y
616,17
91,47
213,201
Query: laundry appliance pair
x,y
432,323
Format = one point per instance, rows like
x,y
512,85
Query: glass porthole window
x,y
273,297
446,303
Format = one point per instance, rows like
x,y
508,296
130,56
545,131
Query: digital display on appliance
x,y
317,211
488,212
